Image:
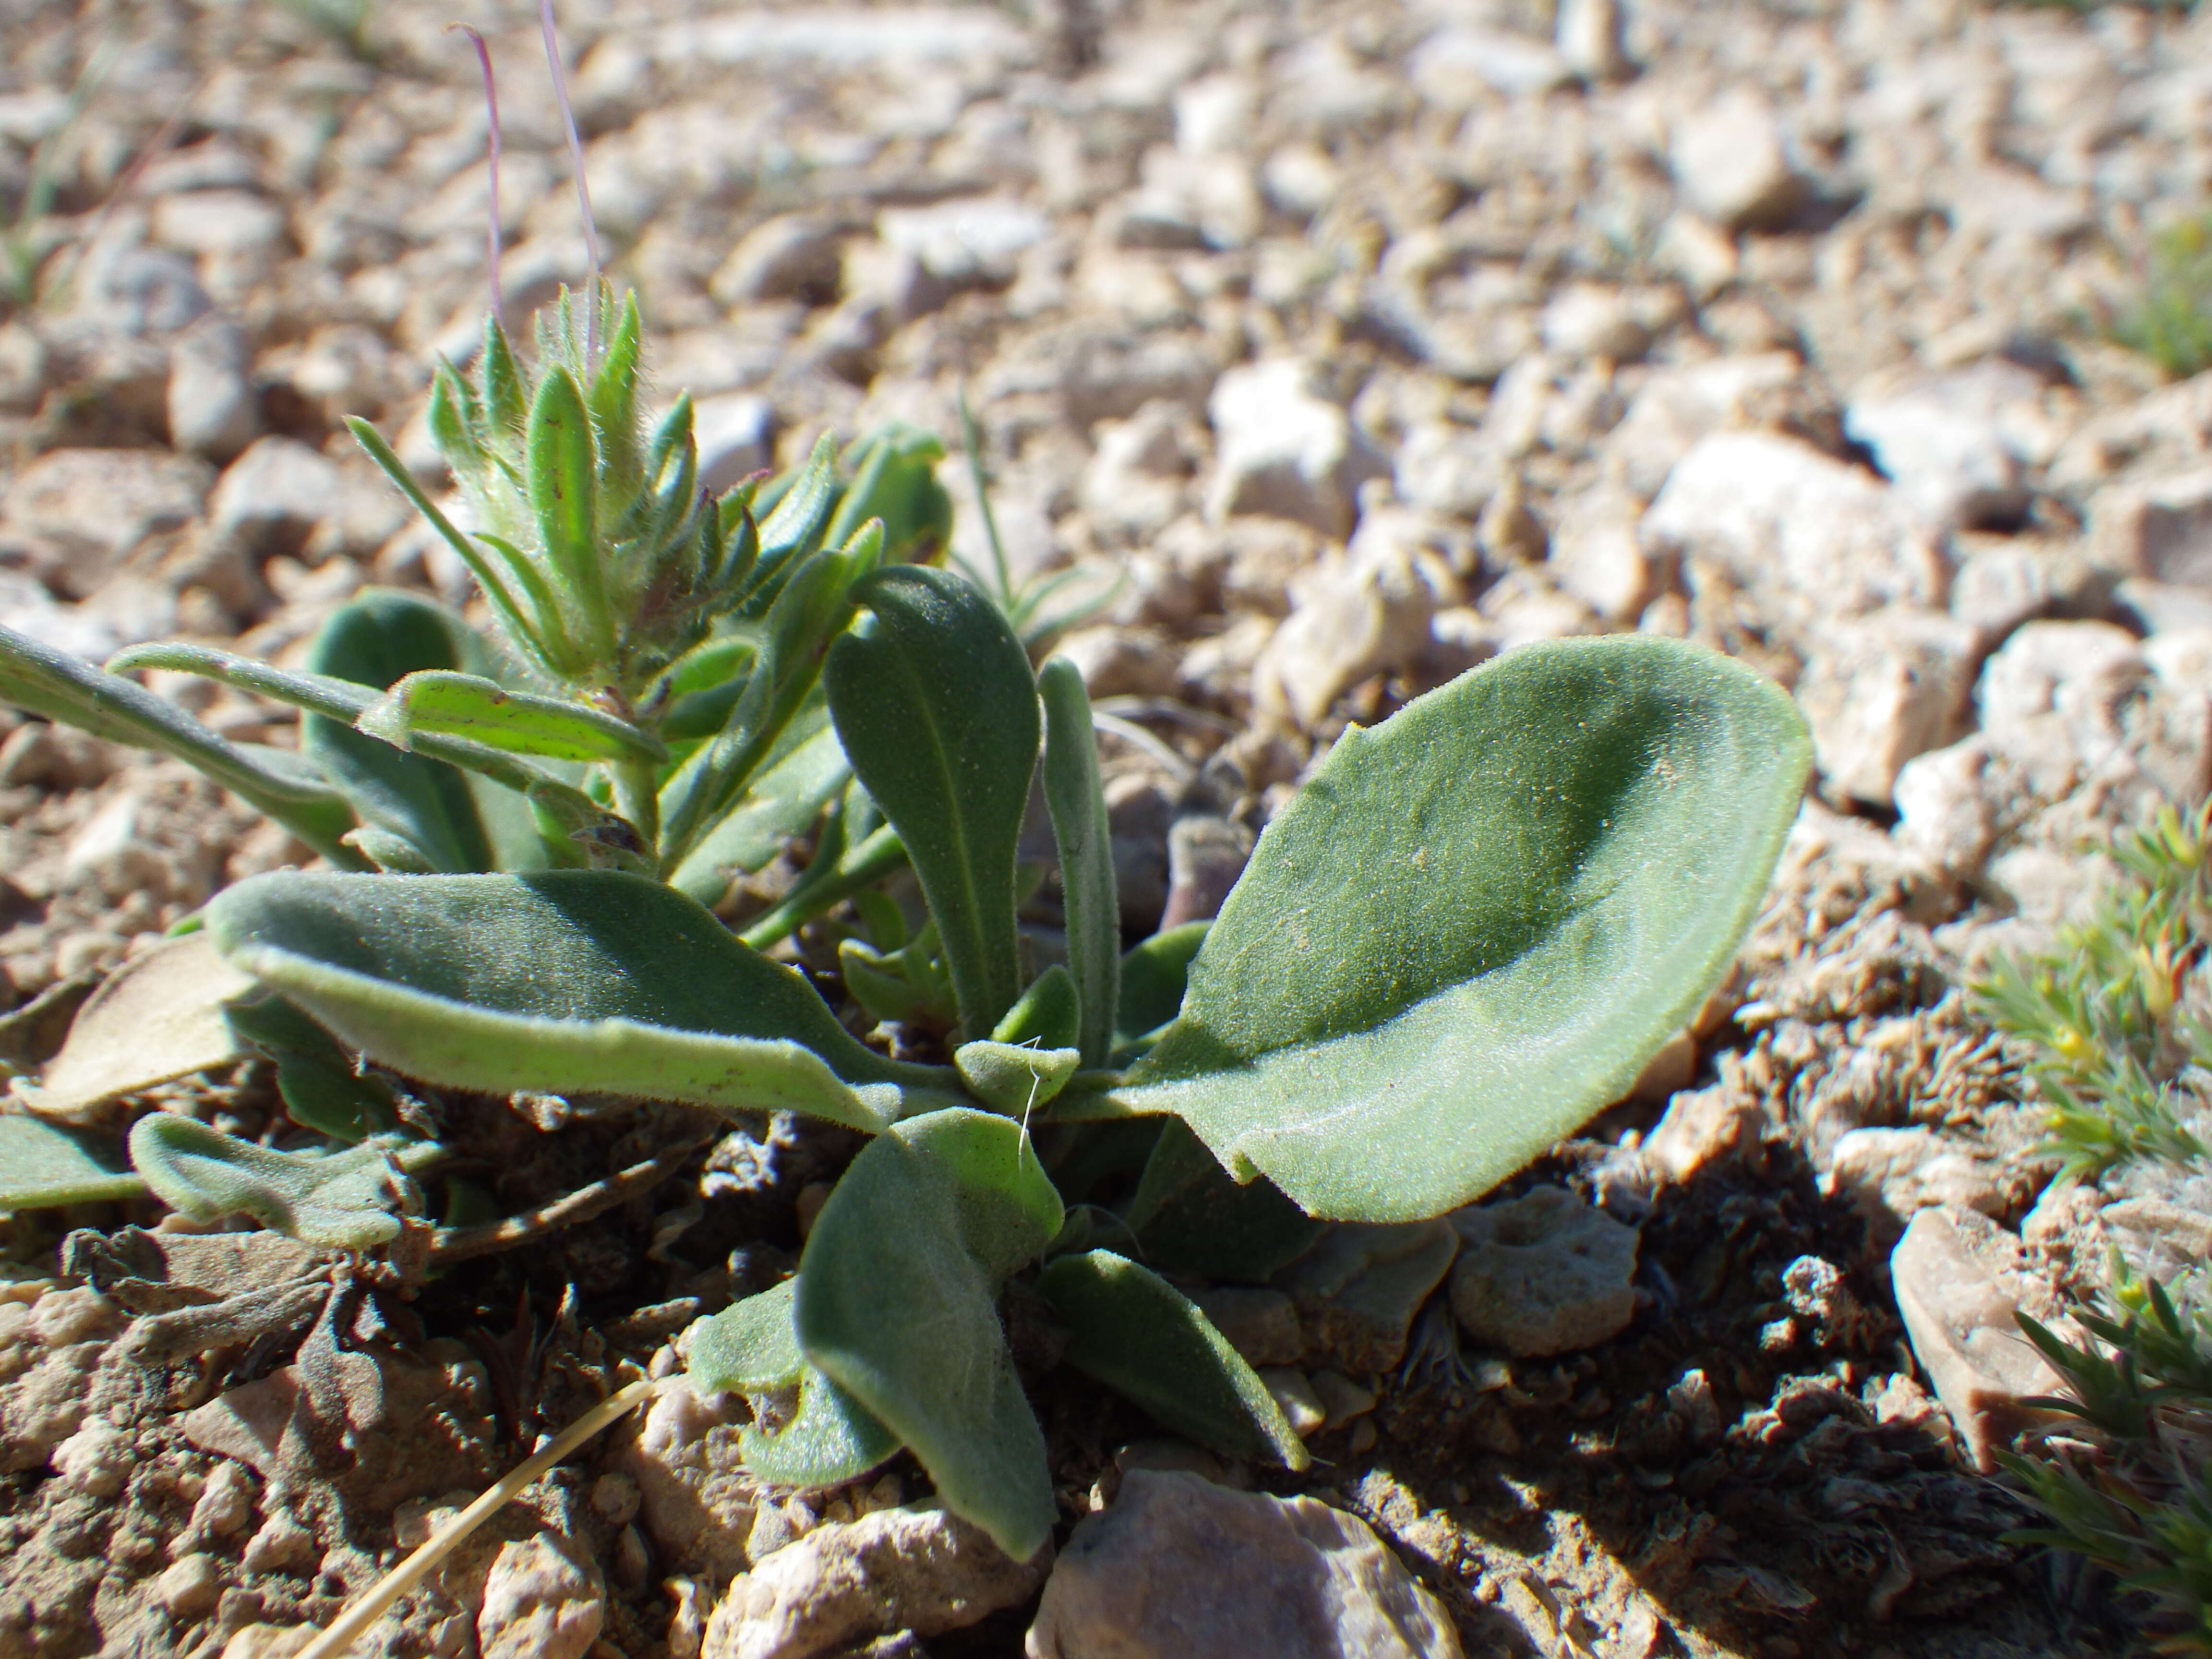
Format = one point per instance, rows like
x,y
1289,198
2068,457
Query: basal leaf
x,y
1154,975
520,722
43,1166
1014,1079
1138,1335
280,786
806,1431
1477,922
158,1017
567,980
345,1201
1048,1014
316,1078
898,1290
1189,1216
1076,801
938,711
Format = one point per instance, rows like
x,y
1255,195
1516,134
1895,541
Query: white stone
x,y
1355,617
1587,321
1588,35
105,502
792,256
542,1598
218,222
977,240
1957,1278
1944,813
276,482
1137,482
1292,1390
1215,115
1787,521
96,1461
1729,163
1951,442
1678,405
1284,450
920,1570
1700,1128
1543,1274
2160,530
1458,68
1182,1569
215,410
736,434
1890,1176
189,1588
1446,469
1597,557
1881,690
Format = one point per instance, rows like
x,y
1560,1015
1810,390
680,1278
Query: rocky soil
x,y
1351,343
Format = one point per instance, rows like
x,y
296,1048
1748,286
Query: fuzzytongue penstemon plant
x,y
1466,934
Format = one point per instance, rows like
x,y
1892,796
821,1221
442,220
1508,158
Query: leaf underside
x,y
43,1165
575,980
1477,922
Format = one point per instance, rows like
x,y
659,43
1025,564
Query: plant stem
x,y
637,795
866,864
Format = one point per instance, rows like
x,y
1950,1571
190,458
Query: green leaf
x,y
826,1436
896,1295
1048,1013
519,722
585,981
563,494
1141,1337
787,795
373,641
1076,801
1189,1216
43,1166
1154,975
938,711
1476,923
280,786
346,1200
1013,1077
316,1078
895,479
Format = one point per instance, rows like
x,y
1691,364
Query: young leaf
x,y
280,786
1154,975
43,1166
563,493
519,722
1076,801
373,641
567,980
1138,1335
1013,1077
347,1201
1049,1013
750,1348
896,1295
1477,922
937,709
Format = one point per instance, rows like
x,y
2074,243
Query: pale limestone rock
x,y
1820,539
1284,450
214,409
1293,1391
277,489
1543,1274
1597,558
1353,617
972,241
922,1570
1891,1175
1138,480
736,434
696,1501
1588,36
1358,1287
1181,1569
1957,444
1123,662
1206,856
189,1588
1681,404
100,503
2160,530
1957,1278
1700,1128
542,1598
1729,163
96,1461
1879,691
1455,68
792,256
1590,321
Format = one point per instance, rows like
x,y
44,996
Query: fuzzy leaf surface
x,y
1477,922
566,981
1077,802
520,722
938,711
897,1293
1141,1337
347,1200
751,1348
43,1166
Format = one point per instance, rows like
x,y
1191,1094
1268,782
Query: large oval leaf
x,y
824,1437
938,711
1477,922
897,1294
572,981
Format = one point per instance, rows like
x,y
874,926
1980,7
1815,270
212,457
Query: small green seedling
x,y
1467,934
